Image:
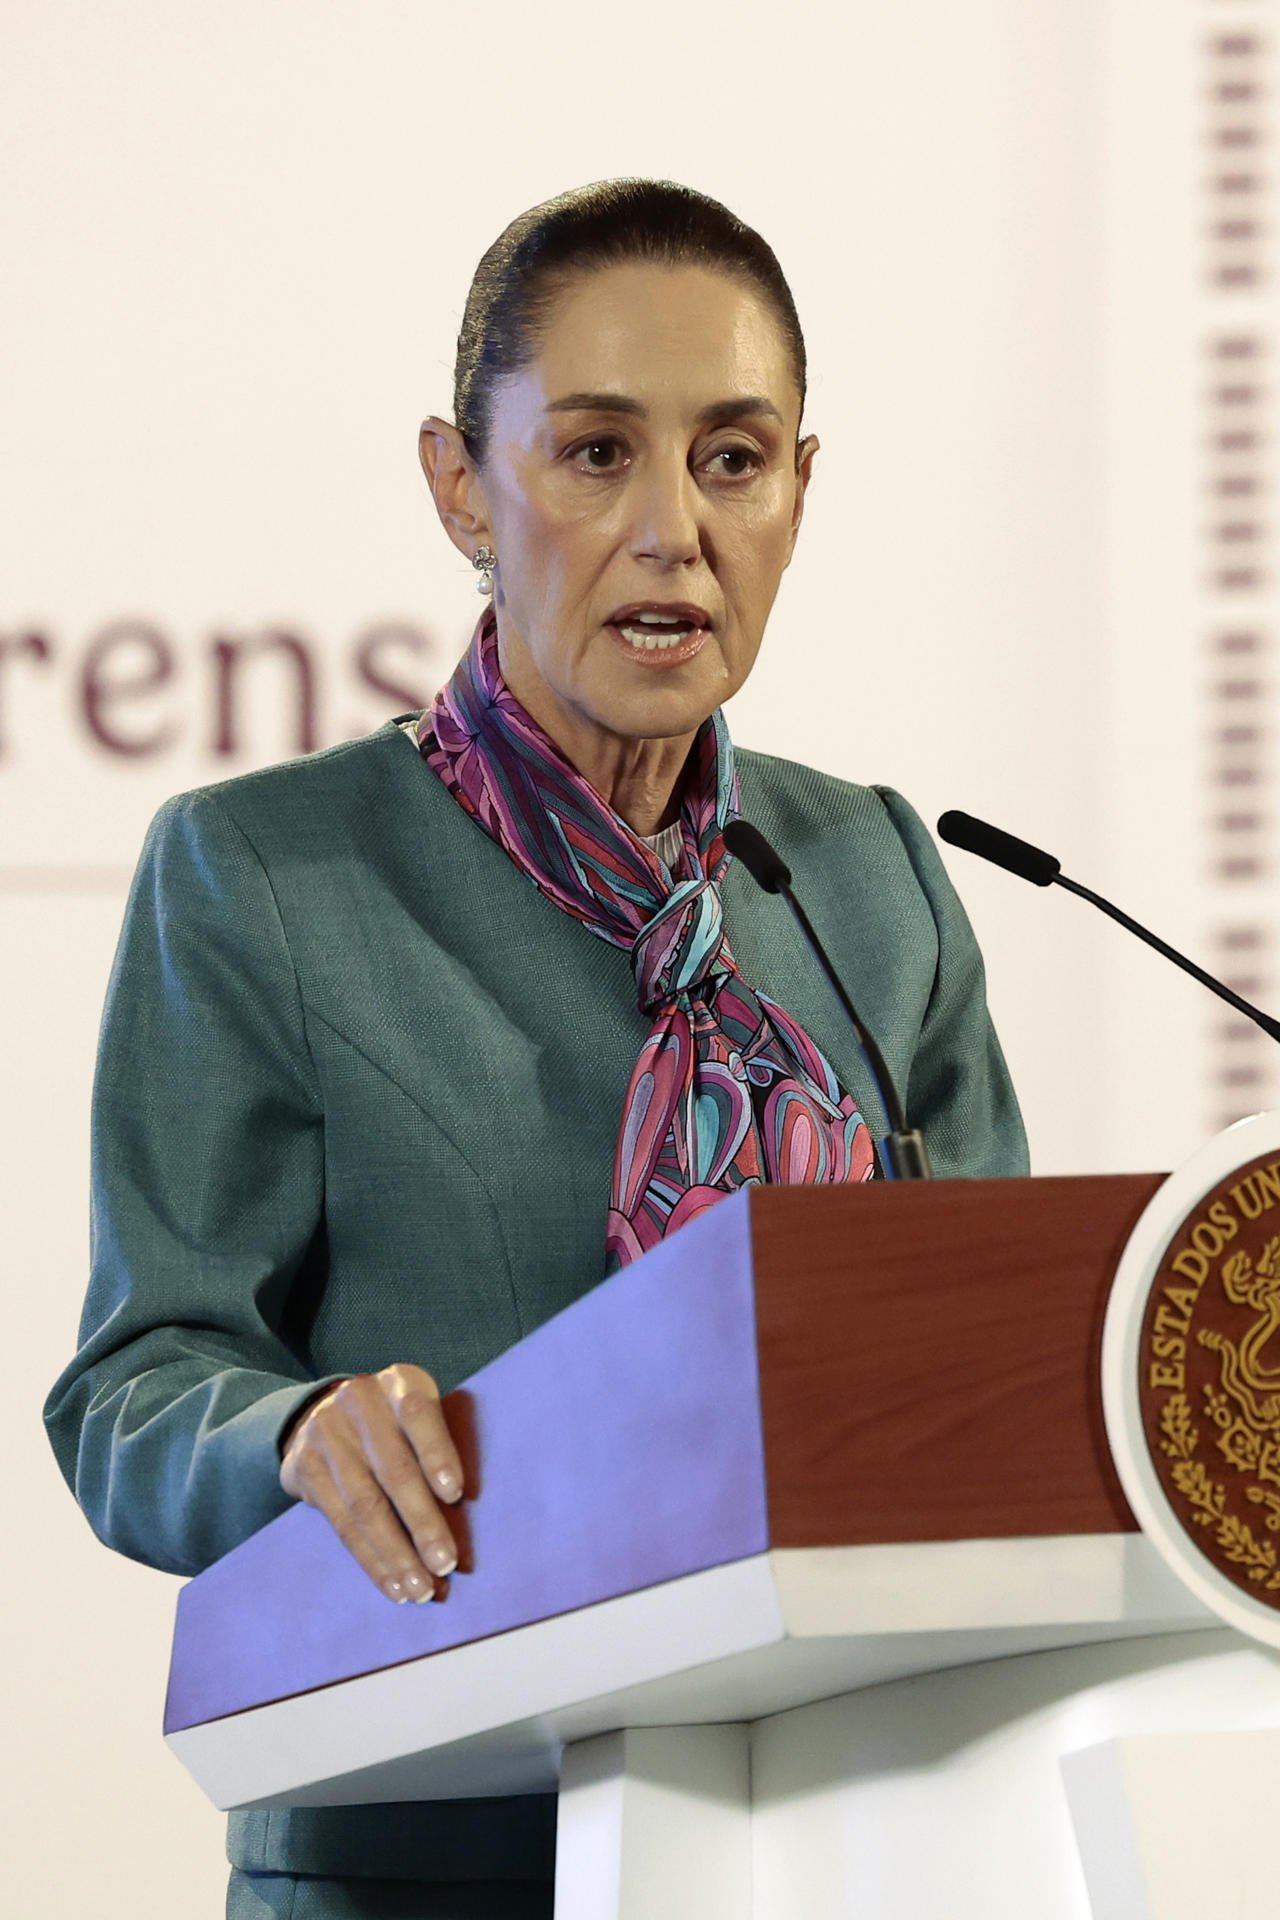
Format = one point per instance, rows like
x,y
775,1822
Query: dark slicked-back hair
x,y
604,225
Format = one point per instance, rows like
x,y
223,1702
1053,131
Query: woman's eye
x,y
597,456
732,463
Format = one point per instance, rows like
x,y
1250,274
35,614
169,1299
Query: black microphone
x,y
1029,863
905,1150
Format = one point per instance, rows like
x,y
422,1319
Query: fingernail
x,y
394,1591
419,1589
449,1485
440,1559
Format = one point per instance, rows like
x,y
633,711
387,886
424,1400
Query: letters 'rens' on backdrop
x,y
142,694
136,689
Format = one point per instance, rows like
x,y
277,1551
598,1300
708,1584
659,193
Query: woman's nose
x,y
666,506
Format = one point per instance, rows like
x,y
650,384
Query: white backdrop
x,y
237,244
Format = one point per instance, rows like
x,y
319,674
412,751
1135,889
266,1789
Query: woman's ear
x,y
804,473
456,486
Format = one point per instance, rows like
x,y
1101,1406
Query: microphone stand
x,y
1043,870
904,1147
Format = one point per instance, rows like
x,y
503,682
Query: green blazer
x,y
356,1102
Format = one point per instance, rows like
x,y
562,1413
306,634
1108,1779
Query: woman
x,y
370,1103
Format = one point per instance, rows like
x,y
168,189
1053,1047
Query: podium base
x,y
1129,1780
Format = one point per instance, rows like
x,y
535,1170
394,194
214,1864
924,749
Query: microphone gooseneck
x,y
905,1150
1029,863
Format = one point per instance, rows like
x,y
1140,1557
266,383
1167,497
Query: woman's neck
x,y
642,780
643,785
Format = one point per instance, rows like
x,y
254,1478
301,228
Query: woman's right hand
x,y
375,1456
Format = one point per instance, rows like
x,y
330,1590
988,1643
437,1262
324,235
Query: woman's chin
x,y
663,712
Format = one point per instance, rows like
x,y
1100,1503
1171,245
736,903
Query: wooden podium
x,y
795,1555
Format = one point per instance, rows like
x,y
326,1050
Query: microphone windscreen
x,y
1005,849
767,868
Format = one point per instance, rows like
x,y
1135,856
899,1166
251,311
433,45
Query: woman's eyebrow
x,y
622,403
596,403
734,409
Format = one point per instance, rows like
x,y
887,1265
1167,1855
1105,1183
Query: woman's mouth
x,y
658,636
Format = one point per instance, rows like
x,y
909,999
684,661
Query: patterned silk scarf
x,y
728,1089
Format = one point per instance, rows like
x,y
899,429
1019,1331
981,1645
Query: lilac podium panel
x,y
643,1399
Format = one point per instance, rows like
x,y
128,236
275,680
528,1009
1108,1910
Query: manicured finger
x,y
415,1401
368,1455
396,1469
327,1465
323,1493
368,1515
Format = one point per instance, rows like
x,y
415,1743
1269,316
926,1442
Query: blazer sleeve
x,y
207,1195
959,1092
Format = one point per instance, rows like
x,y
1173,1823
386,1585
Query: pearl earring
x,y
484,560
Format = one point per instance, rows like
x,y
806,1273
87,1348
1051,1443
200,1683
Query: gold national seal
x,y
1209,1377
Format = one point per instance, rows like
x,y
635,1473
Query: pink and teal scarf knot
x,y
728,1090
681,951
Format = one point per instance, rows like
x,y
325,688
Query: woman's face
x,y
642,493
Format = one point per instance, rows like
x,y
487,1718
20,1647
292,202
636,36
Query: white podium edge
x,y
504,1706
